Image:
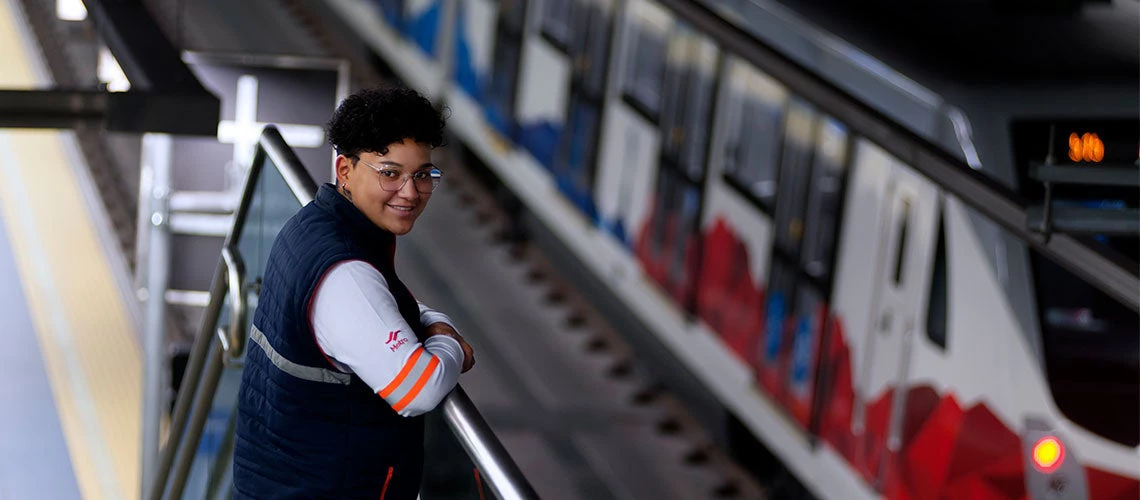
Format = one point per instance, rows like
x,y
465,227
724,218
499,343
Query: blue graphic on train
x,y
802,349
774,327
423,26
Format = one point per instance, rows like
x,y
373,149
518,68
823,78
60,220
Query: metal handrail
x,y
232,338
300,183
505,479
190,381
206,362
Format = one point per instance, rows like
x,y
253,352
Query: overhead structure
x,y
164,97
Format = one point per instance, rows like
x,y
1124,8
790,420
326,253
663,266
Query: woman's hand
x,y
445,329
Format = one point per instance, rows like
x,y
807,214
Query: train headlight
x,y
1048,454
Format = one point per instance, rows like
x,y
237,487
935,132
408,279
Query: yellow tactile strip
x,y
81,323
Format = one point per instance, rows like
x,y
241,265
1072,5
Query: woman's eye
x,y
389,174
419,176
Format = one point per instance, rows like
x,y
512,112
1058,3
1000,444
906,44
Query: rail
x,y
217,348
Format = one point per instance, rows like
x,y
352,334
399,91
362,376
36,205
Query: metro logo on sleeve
x,y
392,338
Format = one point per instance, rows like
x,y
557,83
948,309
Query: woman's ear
x,y
344,165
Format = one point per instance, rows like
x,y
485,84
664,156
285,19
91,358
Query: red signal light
x,y
1048,454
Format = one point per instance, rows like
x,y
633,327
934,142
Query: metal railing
x,y
217,347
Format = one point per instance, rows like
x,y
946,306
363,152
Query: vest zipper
x,y
387,480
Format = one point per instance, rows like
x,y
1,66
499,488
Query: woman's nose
x,y
408,189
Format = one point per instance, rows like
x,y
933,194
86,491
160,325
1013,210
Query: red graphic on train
x,y
947,450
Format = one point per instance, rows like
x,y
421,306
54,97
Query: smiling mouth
x,y
402,209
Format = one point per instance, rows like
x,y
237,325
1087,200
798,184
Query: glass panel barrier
x,y
271,204
463,458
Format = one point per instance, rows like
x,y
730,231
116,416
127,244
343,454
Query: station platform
x,y
70,377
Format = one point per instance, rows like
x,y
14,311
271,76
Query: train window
x,y
579,147
557,22
1092,353
591,58
900,245
512,14
645,58
795,166
829,167
754,134
936,307
581,16
503,80
703,57
677,66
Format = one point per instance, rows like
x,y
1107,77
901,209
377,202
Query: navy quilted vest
x,y
305,430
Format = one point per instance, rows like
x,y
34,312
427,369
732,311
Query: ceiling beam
x,y
165,95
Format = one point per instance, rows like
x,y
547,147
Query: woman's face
x,y
394,211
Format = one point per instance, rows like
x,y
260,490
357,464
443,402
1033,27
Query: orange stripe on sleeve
x,y
387,390
432,365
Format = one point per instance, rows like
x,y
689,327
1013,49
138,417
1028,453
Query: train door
x,y
630,141
587,45
909,221
668,244
501,85
474,46
544,83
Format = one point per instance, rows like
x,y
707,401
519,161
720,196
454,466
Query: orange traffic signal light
x,y
1087,147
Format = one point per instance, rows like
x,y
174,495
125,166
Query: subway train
x,y
872,325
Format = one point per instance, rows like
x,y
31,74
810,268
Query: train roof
x,y
958,72
971,43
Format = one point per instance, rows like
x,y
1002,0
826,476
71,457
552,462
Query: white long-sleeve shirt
x,y
359,327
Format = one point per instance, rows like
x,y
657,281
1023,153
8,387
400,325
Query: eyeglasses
x,y
392,179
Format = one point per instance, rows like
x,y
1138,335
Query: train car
x,y
871,329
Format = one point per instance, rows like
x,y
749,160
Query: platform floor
x,y
70,381
33,451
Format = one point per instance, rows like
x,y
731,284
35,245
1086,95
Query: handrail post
x,y
199,412
190,381
156,153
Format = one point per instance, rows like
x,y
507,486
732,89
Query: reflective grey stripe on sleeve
x,y
310,373
410,380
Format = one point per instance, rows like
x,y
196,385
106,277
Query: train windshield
x,y
1090,341
1091,345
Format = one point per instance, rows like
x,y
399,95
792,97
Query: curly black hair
x,y
373,119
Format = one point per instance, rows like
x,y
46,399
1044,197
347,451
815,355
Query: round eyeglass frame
x,y
436,177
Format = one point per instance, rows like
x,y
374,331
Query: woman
x,y
343,361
